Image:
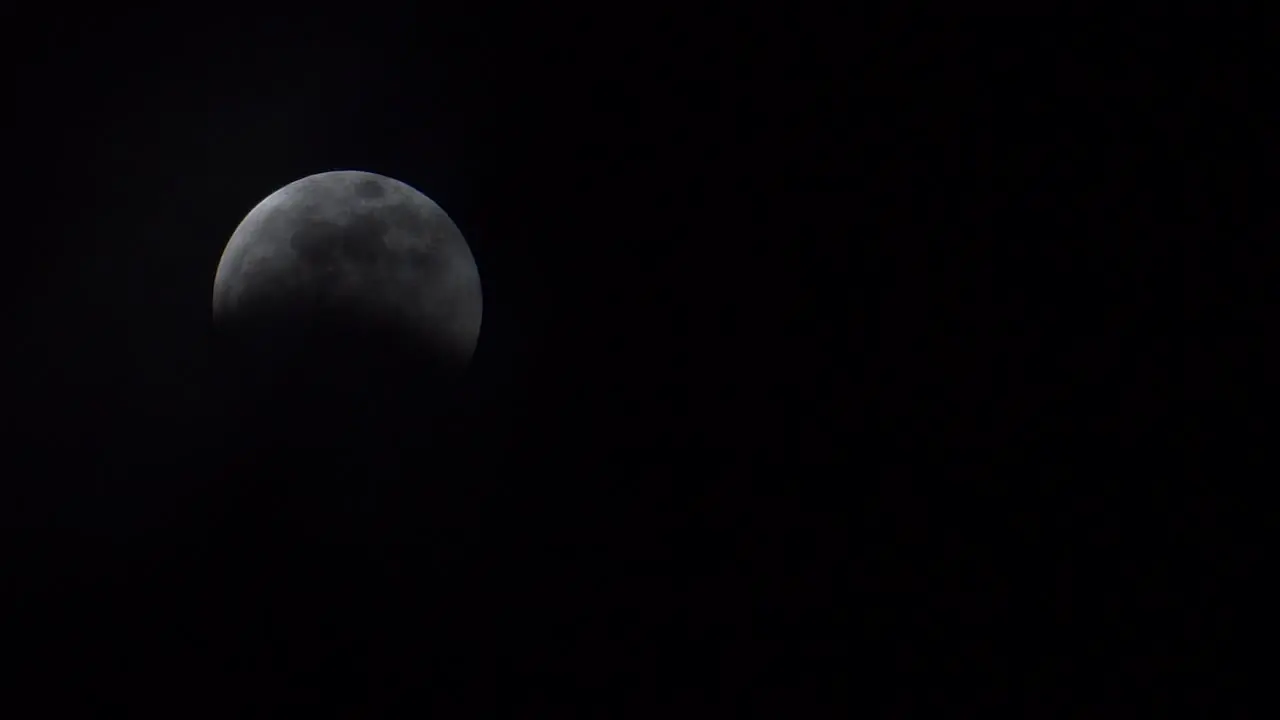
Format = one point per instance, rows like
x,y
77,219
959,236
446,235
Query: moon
x,y
357,245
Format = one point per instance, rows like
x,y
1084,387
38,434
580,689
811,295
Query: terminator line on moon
x,y
355,241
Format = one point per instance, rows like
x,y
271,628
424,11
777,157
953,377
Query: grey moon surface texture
x,y
358,243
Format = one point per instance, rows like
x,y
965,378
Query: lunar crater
x,y
411,221
359,241
370,189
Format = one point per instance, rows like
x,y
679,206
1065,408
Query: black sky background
x,y
798,347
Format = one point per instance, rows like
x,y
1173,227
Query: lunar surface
x,y
356,245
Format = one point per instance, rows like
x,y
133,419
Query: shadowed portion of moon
x,y
342,370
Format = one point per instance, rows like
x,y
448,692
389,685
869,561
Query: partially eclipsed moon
x,y
359,244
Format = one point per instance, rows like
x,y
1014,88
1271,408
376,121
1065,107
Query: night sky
x,y
763,310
